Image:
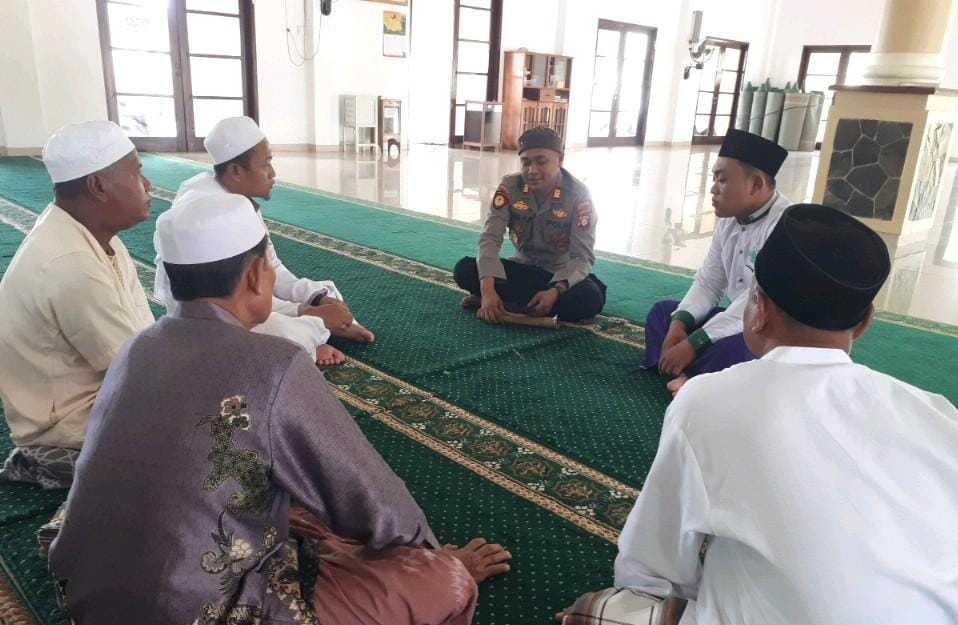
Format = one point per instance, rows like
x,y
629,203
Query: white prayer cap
x,y
204,227
80,149
231,137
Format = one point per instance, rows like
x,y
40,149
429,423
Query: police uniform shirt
x,y
557,234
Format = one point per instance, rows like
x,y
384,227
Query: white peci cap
x,y
77,150
231,137
204,227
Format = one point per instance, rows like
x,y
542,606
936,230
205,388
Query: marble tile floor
x,y
653,204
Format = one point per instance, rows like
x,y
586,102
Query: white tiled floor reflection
x,y
653,204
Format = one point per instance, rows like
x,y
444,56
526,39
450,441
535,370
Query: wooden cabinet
x,y
535,92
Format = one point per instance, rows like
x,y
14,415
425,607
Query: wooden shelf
x,y
535,92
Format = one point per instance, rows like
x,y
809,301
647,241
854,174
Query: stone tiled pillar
x,y
883,155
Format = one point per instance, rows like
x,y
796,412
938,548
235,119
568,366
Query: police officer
x,y
551,222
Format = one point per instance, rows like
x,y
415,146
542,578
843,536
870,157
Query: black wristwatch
x,y
559,286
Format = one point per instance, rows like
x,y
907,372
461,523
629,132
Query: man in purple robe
x,y
203,436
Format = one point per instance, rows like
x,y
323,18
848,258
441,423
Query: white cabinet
x,y
359,117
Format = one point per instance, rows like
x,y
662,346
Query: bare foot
x,y
482,559
676,385
327,355
355,332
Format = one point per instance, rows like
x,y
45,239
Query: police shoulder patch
x,y
501,198
584,214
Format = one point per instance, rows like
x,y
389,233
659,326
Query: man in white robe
x,y
802,487
305,311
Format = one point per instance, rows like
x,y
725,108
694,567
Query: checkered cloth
x,y
617,606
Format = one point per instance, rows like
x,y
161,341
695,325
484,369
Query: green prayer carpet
x,y
570,390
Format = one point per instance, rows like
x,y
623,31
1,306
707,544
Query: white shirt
x,y
829,488
729,268
289,293
67,307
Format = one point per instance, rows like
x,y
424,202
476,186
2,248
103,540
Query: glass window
x,y
143,116
470,87
636,46
217,6
207,112
473,57
599,124
143,72
701,125
144,27
725,103
460,119
731,58
608,43
216,77
704,105
728,81
474,24
604,82
213,34
627,124
824,63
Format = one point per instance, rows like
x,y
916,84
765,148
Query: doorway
x,y
621,82
173,68
719,85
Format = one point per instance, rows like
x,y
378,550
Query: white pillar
x,y
908,49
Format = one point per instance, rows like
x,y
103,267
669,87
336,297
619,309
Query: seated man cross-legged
x,y
799,488
551,221
304,311
218,460
695,335
70,299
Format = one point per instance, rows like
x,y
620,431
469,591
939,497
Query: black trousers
x,y
522,282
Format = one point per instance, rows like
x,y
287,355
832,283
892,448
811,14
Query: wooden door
x,y
624,55
173,69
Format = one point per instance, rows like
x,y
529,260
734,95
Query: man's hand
x,y
542,302
336,315
676,334
677,358
492,309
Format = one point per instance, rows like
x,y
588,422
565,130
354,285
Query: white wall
x,y
51,71
281,84
66,43
20,106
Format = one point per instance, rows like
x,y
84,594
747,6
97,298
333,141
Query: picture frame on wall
x,y
395,42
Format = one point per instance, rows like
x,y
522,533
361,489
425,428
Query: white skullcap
x,y
204,227
231,137
80,149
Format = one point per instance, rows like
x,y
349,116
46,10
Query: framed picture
x,y
394,34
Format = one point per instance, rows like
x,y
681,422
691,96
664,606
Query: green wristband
x,y
700,340
686,318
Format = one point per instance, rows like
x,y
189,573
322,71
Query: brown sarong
x,y
395,586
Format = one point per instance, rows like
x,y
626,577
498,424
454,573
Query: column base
x,y
899,68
